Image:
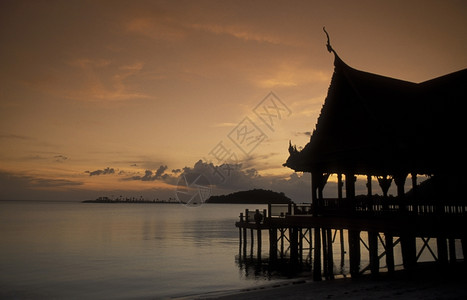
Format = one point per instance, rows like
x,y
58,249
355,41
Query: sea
x,y
67,250
70,250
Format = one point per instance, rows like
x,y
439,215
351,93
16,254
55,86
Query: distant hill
x,y
256,196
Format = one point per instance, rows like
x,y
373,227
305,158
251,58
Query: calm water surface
x,y
123,251
76,250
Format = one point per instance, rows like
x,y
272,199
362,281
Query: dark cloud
x,y
18,186
160,172
227,178
106,171
151,176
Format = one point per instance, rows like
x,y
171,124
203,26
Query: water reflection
x,y
252,267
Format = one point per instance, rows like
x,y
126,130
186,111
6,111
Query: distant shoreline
x,y
129,200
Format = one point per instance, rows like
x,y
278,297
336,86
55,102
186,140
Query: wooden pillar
x,y
293,237
324,241
399,179
260,242
414,193
354,252
310,236
414,184
369,192
442,250
374,259
408,243
273,244
281,230
314,193
317,255
464,248
341,232
340,184
252,242
350,190
389,252
452,251
258,219
244,242
330,255
409,251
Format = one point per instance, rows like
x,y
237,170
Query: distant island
x,y
130,200
255,196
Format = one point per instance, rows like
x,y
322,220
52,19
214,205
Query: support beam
x,y
373,249
330,255
354,252
452,251
317,255
273,244
442,250
409,251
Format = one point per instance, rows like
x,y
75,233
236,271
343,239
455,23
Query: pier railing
x,y
368,207
360,207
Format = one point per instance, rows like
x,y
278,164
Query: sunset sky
x,y
101,98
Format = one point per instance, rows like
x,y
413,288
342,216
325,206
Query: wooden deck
x,y
385,227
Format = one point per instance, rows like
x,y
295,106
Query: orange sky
x,y
87,87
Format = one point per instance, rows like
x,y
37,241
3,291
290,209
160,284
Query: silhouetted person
x,y
258,217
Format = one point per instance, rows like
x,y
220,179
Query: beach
x,y
423,284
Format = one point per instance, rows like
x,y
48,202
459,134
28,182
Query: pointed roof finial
x,y
328,44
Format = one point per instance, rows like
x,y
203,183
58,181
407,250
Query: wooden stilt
x,y
389,252
342,251
409,251
464,249
273,244
244,242
452,251
374,259
317,256
354,252
330,255
442,250
282,241
259,241
293,236
325,253
300,245
252,244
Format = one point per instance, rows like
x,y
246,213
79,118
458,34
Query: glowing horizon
x,y
151,86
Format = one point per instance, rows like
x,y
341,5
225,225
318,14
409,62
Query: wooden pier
x,y
298,235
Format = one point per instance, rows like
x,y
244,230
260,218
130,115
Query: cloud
x,y
105,80
160,171
151,176
15,186
60,158
106,171
15,137
240,32
227,178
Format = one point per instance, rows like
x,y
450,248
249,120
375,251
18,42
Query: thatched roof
x,y
376,125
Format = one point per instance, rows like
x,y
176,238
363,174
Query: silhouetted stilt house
x,y
376,126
